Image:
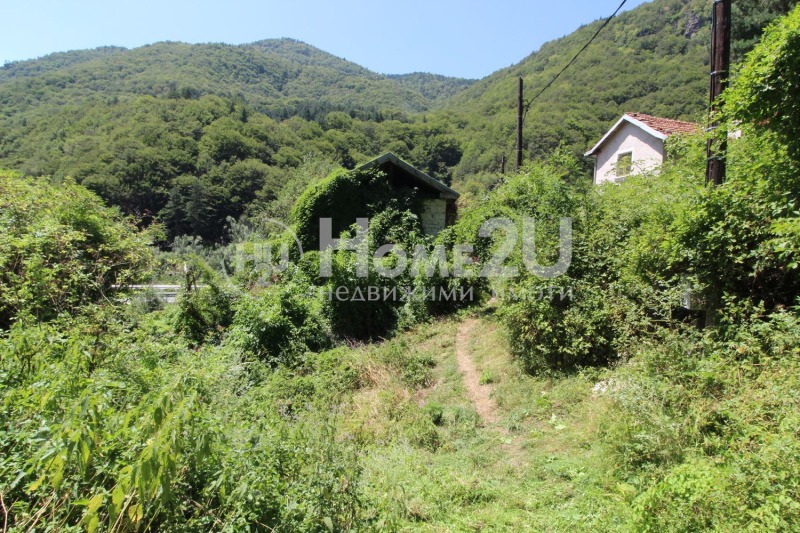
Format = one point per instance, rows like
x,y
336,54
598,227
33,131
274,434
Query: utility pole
x,y
503,164
519,126
720,67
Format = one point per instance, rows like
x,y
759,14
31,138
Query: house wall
x,y
434,215
648,152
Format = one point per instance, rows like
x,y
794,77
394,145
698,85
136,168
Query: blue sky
x,y
458,38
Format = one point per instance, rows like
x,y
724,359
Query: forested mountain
x,y
193,134
281,77
435,87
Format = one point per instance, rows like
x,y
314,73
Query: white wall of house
x,y
648,152
434,215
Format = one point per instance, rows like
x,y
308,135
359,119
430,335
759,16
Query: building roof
x,y
667,126
424,181
658,127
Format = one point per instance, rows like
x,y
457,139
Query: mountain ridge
x,y
263,73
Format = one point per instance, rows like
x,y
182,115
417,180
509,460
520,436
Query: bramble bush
x,y
280,324
704,426
358,316
61,249
741,240
621,273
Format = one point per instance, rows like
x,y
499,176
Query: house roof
x,y
658,127
425,181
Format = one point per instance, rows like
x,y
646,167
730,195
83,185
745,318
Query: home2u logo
x,y
458,261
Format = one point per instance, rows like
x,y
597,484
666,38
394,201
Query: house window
x,y
624,164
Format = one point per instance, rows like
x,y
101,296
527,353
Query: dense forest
x,y
258,401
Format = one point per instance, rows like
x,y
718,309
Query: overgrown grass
x,y
543,468
704,429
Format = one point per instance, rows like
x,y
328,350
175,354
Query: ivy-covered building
x,y
387,184
438,200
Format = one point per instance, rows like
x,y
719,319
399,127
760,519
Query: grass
x,y
430,465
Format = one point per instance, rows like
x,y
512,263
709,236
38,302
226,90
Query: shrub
x,y
142,431
621,281
765,89
740,240
205,304
279,325
358,311
704,425
689,498
61,249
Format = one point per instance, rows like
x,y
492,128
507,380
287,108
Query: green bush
x,y
279,325
358,311
107,421
692,497
741,240
61,249
765,89
622,280
205,303
550,334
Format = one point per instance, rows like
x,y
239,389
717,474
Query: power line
x,y
537,95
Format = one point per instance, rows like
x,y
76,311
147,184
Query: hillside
x,y
651,59
281,77
188,133
435,87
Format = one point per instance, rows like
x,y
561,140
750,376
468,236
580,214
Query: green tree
x,y
749,18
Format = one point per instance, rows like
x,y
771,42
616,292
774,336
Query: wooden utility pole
x,y
503,164
519,126
720,67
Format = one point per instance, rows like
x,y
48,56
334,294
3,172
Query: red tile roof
x,y
666,126
657,126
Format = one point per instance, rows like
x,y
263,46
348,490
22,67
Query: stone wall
x,y
434,215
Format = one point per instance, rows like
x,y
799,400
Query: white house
x,y
633,145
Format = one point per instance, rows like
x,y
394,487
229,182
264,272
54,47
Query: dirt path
x,y
478,394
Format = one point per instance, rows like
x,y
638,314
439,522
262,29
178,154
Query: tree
x,y
190,209
749,18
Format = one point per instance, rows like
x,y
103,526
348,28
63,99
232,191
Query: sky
x,y
465,38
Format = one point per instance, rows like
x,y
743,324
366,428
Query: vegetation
x,y
252,402
61,250
192,163
193,134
